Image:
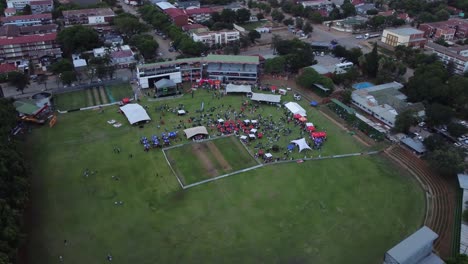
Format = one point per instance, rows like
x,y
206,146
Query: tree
x,y
42,79
31,68
145,44
68,77
277,15
450,68
307,28
260,16
129,25
18,80
316,17
435,141
299,23
254,35
441,41
275,65
309,77
27,10
456,129
244,41
60,66
404,121
242,15
228,16
442,15
372,62
348,9
460,258
438,114
76,39
288,21
447,161
372,12
275,40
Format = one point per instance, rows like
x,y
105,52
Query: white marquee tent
x,y
193,131
270,98
301,143
295,108
232,88
135,113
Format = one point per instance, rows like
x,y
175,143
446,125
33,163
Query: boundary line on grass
x,y
172,169
273,163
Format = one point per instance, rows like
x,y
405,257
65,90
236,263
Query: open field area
x,y
348,210
92,96
198,161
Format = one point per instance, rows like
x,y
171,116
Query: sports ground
x,y
348,210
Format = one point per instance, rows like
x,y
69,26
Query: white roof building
x,y
216,37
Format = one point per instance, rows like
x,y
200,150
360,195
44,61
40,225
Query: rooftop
x,y
203,10
405,31
447,50
232,59
10,10
165,5
122,54
42,2
463,180
186,4
174,12
415,145
89,12
412,245
6,67
47,16
14,30
27,39
192,26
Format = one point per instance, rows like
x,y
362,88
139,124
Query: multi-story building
x,y
384,102
409,37
31,47
448,30
43,6
317,4
216,37
15,31
28,20
37,6
95,16
220,67
457,55
200,15
187,4
228,68
176,70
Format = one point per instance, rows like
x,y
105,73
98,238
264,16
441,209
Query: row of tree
x,y
14,186
293,55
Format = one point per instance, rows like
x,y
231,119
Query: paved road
x,y
163,44
347,40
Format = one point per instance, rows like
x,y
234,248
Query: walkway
x,y
440,197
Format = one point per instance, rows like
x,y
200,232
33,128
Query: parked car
x,y
359,37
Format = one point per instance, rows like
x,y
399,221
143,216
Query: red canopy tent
x,y
310,128
126,100
273,88
259,135
260,152
318,134
297,116
303,119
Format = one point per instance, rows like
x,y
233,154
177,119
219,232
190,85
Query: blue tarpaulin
x,y
291,146
314,103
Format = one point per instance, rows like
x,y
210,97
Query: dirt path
x,y
97,101
103,94
90,97
204,159
219,157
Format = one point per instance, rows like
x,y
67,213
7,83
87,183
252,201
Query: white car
x,y
359,37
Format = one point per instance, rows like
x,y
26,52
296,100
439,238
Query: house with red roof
x,y
9,12
177,16
7,67
23,48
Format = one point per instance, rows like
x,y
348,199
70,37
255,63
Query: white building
x,y
384,102
216,37
317,4
37,6
457,55
415,249
409,37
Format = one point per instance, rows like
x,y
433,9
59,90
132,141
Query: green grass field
x,y
348,210
92,96
187,161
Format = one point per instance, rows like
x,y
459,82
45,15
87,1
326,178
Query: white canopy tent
x,y
270,98
135,113
295,108
301,143
243,137
232,88
268,155
193,131
181,112
309,124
